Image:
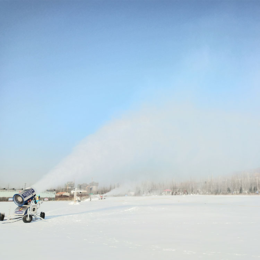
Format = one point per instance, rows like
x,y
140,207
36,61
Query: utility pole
x,y
75,195
90,192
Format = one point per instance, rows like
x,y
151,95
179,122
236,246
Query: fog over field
x,y
170,141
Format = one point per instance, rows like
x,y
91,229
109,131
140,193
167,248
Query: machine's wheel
x,y
27,219
42,215
2,216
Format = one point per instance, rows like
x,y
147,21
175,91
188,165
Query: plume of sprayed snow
x,y
137,188
123,189
173,141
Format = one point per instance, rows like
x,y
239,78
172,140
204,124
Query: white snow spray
x,y
155,143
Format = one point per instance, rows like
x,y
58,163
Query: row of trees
x,y
241,183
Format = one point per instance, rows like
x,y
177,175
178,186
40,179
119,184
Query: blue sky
x,y
68,67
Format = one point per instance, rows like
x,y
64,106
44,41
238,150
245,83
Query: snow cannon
x,y
28,207
25,197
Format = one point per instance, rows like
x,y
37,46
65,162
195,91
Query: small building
x,y
62,194
50,194
167,192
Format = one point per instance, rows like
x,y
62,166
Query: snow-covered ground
x,y
169,227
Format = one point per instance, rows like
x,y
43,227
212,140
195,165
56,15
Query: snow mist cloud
x,y
160,143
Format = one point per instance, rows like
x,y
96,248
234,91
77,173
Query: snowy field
x,y
169,227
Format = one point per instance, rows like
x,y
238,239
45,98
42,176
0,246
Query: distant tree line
x,y
240,183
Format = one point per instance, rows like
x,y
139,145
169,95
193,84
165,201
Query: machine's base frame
x,y
28,216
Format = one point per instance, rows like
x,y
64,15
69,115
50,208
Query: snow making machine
x,y
28,207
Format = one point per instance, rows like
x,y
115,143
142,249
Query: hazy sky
x,y
67,68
